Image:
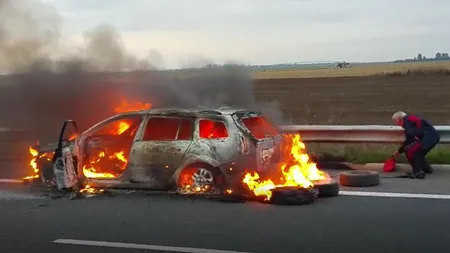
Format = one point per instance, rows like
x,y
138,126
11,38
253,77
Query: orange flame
x,y
111,164
131,107
122,127
72,137
90,190
33,162
98,164
93,169
298,171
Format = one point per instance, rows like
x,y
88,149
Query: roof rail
x,y
211,112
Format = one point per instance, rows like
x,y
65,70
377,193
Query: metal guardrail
x,y
332,133
355,133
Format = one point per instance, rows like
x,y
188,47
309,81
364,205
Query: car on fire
x,y
189,150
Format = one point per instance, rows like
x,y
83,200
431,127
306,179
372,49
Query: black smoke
x,y
44,86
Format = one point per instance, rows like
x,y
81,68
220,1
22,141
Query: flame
x,y
122,126
299,170
90,190
113,161
35,156
93,169
34,153
131,107
72,137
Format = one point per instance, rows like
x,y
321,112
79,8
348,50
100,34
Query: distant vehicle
x,y
343,65
189,150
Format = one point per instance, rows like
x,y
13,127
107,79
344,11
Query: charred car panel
x,y
158,145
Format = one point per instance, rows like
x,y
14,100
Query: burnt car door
x,y
106,146
64,162
159,151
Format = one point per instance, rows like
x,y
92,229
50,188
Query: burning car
x,y
201,151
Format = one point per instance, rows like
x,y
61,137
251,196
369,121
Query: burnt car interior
x,y
260,127
166,129
106,150
163,128
210,129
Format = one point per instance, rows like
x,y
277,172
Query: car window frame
x,y
180,118
214,120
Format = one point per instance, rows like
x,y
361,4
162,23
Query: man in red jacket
x,y
420,138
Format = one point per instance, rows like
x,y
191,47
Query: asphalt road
x,y
341,224
32,223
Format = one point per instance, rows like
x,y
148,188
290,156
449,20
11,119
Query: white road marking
x,y
14,181
394,195
142,246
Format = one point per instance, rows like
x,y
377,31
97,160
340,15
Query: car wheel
x,y
359,178
327,188
199,180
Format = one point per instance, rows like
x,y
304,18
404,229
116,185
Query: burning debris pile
x,y
297,170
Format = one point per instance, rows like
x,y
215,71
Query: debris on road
x,y
327,188
359,178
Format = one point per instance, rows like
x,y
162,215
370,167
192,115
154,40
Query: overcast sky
x,y
267,31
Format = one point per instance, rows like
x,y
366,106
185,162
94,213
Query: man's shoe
x,y
417,175
428,170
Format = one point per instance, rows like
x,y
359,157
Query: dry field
x,y
360,95
358,100
355,70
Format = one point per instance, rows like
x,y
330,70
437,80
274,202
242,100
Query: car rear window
x,y
260,127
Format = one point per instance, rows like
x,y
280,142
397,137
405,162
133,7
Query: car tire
x,y
206,172
359,178
292,196
327,189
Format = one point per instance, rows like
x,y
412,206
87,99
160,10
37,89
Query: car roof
x,y
193,112
199,112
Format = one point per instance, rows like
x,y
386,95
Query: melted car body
x,y
153,149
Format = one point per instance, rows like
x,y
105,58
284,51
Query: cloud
x,y
266,31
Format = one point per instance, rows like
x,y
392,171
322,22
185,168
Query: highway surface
x,y
129,222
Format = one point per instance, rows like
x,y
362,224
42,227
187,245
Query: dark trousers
x,y
416,153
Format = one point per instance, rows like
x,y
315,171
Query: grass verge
x,y
371,153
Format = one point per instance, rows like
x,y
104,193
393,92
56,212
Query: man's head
x,y
398,117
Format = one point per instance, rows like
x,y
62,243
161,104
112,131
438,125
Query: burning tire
x,y
204,180
359,178
292,196
327,188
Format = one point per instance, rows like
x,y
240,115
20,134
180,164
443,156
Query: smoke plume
x,y
44,88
